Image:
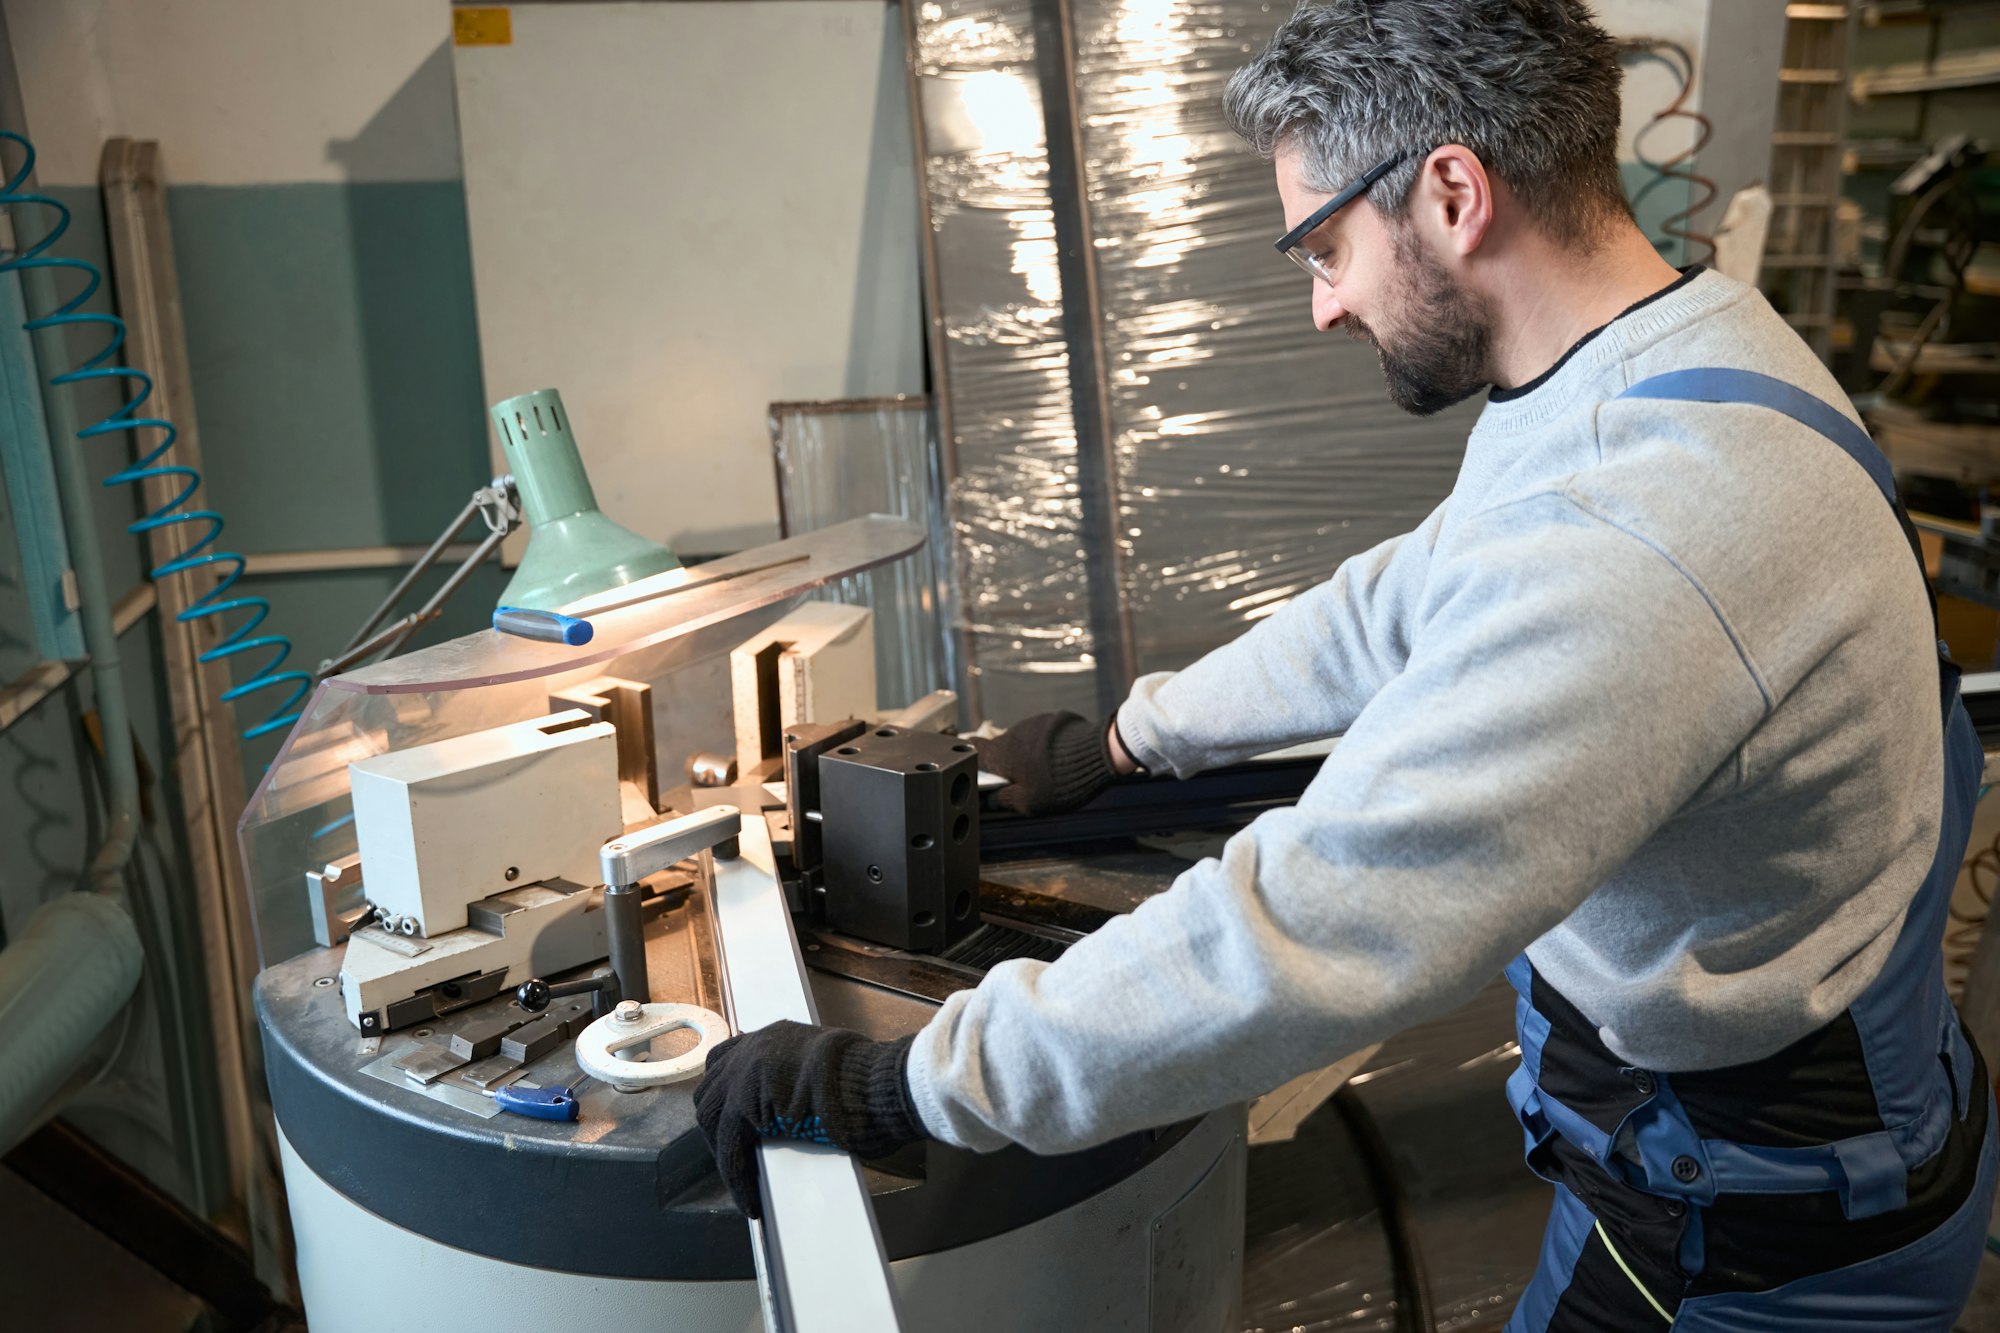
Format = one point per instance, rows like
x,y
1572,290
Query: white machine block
x,y
446,824
815,665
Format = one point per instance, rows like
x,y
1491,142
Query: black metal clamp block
x,y
900,835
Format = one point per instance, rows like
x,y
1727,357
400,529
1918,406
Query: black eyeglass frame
x,y
1290,239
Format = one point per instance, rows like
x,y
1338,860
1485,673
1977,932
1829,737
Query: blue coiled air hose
x,y
217,601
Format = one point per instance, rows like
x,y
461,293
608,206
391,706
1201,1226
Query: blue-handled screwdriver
x,y
548,626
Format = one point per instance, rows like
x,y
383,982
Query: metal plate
x,y
388,1068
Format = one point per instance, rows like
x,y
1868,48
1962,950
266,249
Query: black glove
x,y
795,1081
1053,762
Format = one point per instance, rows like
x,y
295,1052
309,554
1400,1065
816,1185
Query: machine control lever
x,y
631,857
534,994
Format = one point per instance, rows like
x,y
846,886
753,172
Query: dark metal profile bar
x,y
1083,327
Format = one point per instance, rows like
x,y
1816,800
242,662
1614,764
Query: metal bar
x,y
821,407
134,607
822,1248
1083,328
342,559
596,605
936,711
416,570
19,696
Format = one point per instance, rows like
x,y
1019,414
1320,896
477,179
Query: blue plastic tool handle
x,y
547,626
539,1103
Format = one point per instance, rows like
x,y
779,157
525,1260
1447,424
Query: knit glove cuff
x,y
1052,761
871,1075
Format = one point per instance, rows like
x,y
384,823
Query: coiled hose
x,y
217,601
1680,166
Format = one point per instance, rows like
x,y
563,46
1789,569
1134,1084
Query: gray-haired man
x,y
1649,714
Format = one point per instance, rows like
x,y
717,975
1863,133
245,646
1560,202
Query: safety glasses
x,y
1292,243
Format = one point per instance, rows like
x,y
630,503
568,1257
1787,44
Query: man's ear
x,y
1453,198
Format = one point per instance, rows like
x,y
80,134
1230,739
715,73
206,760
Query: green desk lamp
x,y
573,549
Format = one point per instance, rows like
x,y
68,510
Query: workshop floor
x,y
60,1276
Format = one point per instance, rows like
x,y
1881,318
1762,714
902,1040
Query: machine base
x,y
1159,1252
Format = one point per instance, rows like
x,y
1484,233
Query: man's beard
x,y
1444,336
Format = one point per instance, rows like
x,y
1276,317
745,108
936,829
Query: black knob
x,y
533,995
1686,1169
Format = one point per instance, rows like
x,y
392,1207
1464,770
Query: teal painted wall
x,y
335,357
332,343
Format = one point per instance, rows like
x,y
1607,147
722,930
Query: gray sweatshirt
x,y
1652,695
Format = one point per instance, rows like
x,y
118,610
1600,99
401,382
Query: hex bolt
x,y
629,1011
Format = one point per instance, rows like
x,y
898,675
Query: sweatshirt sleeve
x,y
1570,688
1300,675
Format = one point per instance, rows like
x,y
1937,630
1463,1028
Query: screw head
x,y
874,874
513,873
629,1011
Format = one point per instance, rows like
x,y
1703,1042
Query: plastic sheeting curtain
x,y
852,457
1205,454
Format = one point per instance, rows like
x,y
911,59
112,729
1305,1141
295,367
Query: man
x,y
1648,713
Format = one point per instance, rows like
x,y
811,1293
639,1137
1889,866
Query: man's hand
x,y
796,1081
1053,762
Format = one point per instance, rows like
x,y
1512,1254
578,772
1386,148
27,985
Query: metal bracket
x,y
324,888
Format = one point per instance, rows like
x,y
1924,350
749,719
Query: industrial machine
x,y
497,948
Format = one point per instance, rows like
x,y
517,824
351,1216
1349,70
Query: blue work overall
x,y
1843,1183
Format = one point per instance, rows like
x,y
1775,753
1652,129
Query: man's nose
x,y
1327,309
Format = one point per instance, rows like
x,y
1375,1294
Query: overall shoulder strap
x,y
1717,384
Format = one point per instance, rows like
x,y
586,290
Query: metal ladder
x,y
1800,257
